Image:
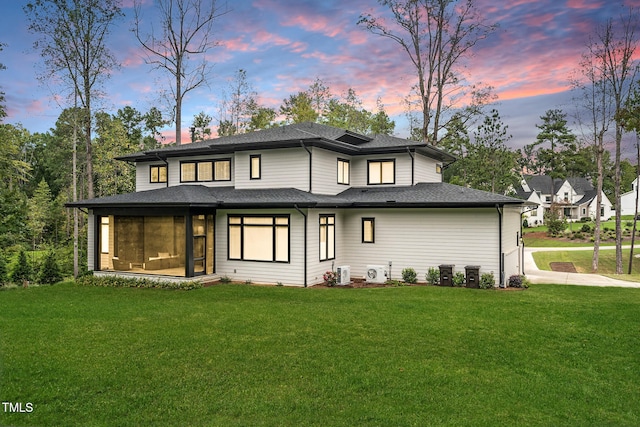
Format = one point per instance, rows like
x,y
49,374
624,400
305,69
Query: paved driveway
x,y
536,275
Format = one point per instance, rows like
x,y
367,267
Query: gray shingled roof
x,y
419,195
336,138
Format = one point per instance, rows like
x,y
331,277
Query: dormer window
x,y
381,171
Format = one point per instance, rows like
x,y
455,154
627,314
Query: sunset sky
x,y
285,45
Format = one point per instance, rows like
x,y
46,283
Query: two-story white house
x,y
575,198
285,205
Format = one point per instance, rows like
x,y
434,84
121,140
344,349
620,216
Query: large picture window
x,y
382,171
205,170
343,171
327,237
259,238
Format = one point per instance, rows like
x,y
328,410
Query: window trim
x,y
213,169
327,227
259,157
373,229
166,174
348,178
274,227
381,161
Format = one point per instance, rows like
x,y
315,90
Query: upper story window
x,y
382,171
158,173
255,166
343,171
205,170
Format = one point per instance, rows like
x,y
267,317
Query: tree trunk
x,y
596,229
617,202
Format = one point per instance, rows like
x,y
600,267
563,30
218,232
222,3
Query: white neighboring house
x,y
288,204
628,200
575,198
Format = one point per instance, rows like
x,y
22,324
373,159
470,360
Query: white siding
x,y
291,273
280,168
143,177
359,167
420,238
325,172
511,244
425,169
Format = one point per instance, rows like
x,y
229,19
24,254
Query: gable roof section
x,y
419,195
294,136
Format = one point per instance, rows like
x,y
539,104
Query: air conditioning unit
x,y
344,275
376,274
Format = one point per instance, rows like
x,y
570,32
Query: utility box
x,y
446,275
472,272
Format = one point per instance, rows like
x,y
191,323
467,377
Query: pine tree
x,y
50,271
22,270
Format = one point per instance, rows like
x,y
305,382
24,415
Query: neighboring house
x,y
628,200
574,197
290,203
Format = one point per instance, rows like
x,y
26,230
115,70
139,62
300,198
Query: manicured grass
x,y
276,356
582,261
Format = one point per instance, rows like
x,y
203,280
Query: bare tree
x,y
613,72
73,43
186,31
437,35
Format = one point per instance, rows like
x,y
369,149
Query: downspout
x,y
413,161
310,167
500,210
305,243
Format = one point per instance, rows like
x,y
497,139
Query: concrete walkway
x,y
536,275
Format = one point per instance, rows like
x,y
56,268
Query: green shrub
x,y
525,223
49,271
433,276
330,278
4,273
21,270
458,279
396,283
225,279
409,275
628,224
586,228
518,281
487,281
127,282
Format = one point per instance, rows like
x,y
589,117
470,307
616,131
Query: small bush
x,y
49,271
458,279
579,235
330,278
433,276
396,283
525,223
409,275
628,224
586,228
487,281
518,281
127,282
225,279
4,273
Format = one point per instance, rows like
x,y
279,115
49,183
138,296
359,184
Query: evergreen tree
x,y
49,271
4,274
21,270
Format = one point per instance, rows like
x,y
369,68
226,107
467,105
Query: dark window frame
x,y
213,170
348,178
327,226
259,157
381,161
373,229
274,226
166,174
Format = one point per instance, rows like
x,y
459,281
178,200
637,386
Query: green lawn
x,y
275,356
582,261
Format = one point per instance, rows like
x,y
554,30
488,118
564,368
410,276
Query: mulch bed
x,y
564,267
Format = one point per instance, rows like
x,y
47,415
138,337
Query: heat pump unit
x,y
344,275
376,274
